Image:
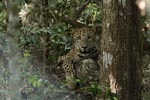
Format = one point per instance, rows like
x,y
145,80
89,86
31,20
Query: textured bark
x,y
121,49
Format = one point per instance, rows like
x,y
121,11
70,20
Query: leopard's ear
x,y
96,29
74,30
93,28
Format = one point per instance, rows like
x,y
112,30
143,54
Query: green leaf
x,y
115,98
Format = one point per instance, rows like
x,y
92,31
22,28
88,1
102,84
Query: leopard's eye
x,y
89,37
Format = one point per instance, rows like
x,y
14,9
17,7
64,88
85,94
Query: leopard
x,y
81,61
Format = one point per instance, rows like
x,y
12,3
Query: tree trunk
x,y
45,37
121,49
13,51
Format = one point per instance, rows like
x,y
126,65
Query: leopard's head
x,y
84,40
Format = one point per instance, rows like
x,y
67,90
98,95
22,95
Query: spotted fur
x,y
83,53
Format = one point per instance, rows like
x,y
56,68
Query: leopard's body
x,y
81,61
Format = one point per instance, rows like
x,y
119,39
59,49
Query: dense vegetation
x,y
44,35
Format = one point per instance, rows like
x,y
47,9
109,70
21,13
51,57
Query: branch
x,y
81,8
67,20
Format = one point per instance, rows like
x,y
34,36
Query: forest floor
x,y
58,72
56,84
56,77
58,91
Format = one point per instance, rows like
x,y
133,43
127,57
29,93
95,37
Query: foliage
x,y
58,30
2,21
91,15
59,40
57,34
94,89
33,86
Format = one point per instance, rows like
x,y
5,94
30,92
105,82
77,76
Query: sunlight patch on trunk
x,y
107,59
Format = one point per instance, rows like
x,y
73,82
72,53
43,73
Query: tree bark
x,y
121,46
45,37
13,50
